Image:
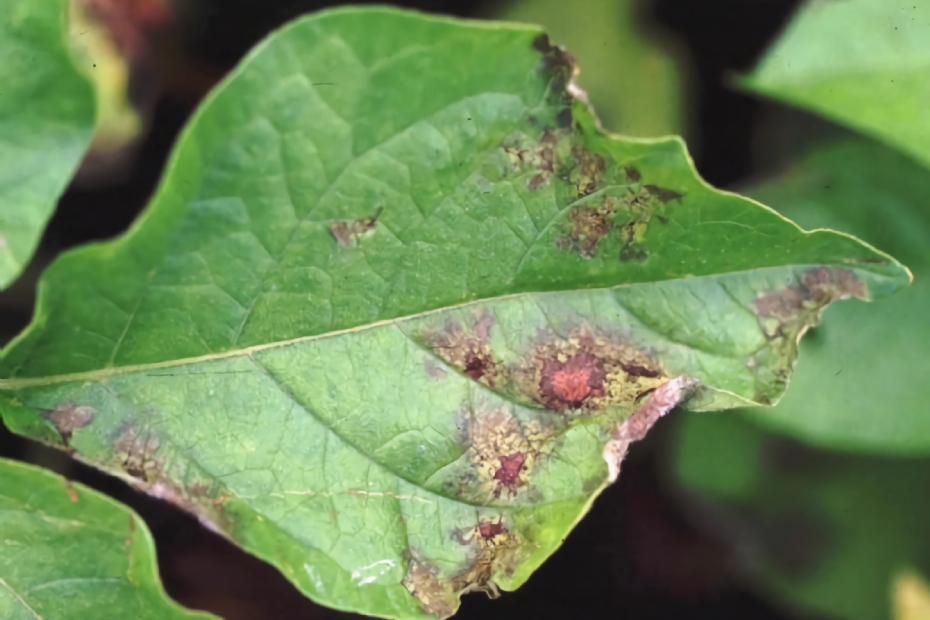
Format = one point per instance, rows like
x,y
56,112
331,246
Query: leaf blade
x,y
46,124
394,348
51,527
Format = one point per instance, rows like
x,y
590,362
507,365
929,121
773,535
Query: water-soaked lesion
x,y
784,315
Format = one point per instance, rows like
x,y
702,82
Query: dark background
x,y
635,556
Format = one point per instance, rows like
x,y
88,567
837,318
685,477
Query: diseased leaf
x,y
396,296
46,124
863,63
861,384
822,531
630,78
72,553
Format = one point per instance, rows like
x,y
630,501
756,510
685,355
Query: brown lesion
x,y
436,594
493,547
136,452
347,234
70,417
817,288
587,372
784,315
502,450
468,350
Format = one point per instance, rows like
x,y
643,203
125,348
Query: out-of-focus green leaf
x,y
821,531
70,553
631,80
862,382
46,123
863,63
393,298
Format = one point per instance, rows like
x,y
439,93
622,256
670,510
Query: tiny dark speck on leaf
x,y
541,44
838,373
633,174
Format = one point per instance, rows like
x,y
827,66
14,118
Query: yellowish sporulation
x,y
494,547
468,350
617,374
502,450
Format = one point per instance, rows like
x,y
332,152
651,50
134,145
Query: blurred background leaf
x,y
821,531
863,63
46,122
632,73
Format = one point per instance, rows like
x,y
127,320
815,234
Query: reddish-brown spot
x,y
509,472
219,501
573,381
633,174
490,529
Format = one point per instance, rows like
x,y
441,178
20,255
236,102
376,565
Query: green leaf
x,y
46,124
395,297
861,382
72,553
824,531
863,63
630,78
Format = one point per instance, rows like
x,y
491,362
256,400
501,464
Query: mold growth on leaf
x,y
502,450
586,372
347,234
69,418
436,595
468,350
785,314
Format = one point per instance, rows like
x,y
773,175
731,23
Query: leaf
x,y
861,384
862,63
72,553
631,79
395,297
824,531
46,124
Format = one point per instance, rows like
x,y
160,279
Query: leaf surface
x,y
862,63
72,553
396,295
860,384
825,532
46,124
